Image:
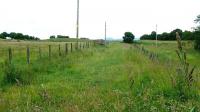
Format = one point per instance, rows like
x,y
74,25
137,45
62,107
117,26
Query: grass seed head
x,y
178,38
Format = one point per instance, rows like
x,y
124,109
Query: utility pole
x,y
105,32
156,36
77,24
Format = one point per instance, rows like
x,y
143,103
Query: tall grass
x,y
184,81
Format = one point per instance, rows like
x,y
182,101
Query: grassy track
x,y
116,78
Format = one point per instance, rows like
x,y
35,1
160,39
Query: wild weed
x,y
184,82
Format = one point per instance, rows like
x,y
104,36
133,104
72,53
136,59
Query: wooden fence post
x,y
59,50
71,47
28,55
49,51
40,54
80,46
83,45
77,45
10,56
66,49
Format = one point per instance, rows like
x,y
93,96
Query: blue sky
x,y
43,18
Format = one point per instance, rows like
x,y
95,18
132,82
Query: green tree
x,y
128,37
12,35
197,34
164,36
1,36
173,34
144,37
197,40
61,36
153,35
52,37
197,21
19,36
26,37
187,35
5,34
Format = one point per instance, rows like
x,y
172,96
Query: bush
x,y
128,37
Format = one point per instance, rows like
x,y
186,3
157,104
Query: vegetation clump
x,y
17,75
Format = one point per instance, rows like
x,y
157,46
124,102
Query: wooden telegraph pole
x,y
77,24
105,33
156,36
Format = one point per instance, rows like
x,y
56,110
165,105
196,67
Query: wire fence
x,y
30,52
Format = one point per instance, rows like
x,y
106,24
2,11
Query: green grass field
x,y
107,79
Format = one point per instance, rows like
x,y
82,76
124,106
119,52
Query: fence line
x,y
30,52
151,55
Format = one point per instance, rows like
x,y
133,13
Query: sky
x,y
42,18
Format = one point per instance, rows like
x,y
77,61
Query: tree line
x,y
17,36
185,35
